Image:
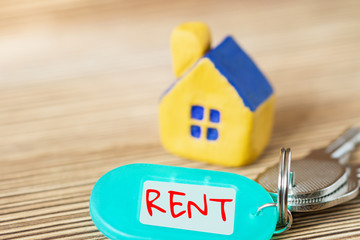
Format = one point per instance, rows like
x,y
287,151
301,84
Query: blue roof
x,y
241,72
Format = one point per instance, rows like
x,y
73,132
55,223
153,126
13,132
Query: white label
x,y
187,206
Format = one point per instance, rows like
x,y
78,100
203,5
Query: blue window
x,y
214,116
195,131
209,127
212,134
197,112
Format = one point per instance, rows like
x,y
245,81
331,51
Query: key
x,y
322,178
341,147
345,193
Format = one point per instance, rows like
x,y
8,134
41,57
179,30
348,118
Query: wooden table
x,y
80,83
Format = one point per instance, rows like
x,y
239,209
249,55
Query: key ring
x,y
283,186
285,218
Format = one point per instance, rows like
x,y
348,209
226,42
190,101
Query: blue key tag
x,y
147,201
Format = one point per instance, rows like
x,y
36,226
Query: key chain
x,y
149,201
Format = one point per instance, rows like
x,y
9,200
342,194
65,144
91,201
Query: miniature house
x,y
220,110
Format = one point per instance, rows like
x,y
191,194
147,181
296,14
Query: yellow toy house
x,y
221,108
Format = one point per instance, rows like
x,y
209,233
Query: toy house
x,y
220,109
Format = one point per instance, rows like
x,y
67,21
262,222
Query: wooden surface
x,y
80,82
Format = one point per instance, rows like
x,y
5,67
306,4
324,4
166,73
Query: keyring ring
x,y
283,186
288,224
285,218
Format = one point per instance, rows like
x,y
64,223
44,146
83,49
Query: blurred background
x,y
80,83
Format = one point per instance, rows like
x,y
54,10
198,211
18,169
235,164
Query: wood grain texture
x,y
79,88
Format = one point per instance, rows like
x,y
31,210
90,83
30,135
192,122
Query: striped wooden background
x,y
80,82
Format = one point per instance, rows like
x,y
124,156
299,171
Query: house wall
x,y
262,127
205,86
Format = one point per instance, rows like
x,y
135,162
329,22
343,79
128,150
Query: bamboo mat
x,y
80,83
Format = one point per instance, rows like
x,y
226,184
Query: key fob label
x,y
148,201
188,206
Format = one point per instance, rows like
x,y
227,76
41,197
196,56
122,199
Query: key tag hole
x,y
285,218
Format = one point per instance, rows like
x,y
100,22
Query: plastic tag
x,y
146,201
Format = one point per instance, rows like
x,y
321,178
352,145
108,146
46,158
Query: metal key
x,y
322,179
343,194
